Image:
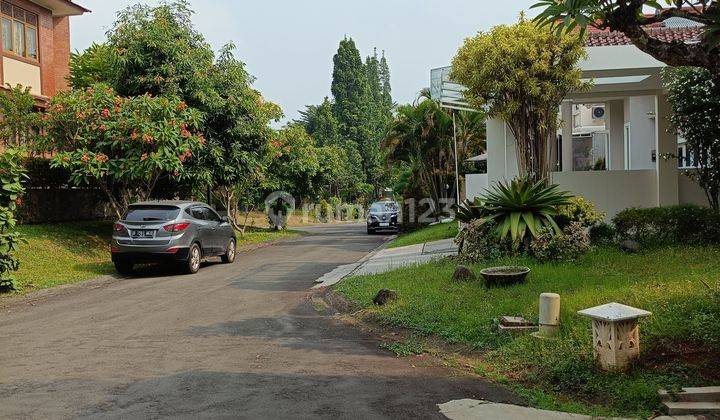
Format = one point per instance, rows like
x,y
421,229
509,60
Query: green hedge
x,y
672,225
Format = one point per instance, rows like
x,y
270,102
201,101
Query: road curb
x,y
351,267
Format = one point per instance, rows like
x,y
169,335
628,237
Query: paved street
x,y
240,340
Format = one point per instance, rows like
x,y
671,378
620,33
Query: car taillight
x,y
176,227
117,227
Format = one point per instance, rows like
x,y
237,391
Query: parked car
x,y
183,232
383,216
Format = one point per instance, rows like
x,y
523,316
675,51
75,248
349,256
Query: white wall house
x,y
613,138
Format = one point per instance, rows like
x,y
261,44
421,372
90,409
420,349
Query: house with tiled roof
x,y
615,143
35,44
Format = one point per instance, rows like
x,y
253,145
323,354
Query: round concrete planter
x,y
504,276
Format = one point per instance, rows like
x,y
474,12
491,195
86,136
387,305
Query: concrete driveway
x,y
240,341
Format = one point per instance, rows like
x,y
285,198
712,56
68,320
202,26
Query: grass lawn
x,y
63,253
260,235
680,342
66,253
430,233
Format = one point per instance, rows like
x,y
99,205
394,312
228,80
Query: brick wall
x,y
53,46
61,62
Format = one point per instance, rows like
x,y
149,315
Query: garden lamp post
x,y
616,334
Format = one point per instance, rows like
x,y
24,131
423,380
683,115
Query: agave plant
x,y
468,210
523,205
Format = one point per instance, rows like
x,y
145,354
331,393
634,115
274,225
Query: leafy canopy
x,y
694,97
20,123
521,74
123,145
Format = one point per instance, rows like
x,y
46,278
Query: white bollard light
x,y
616,334
549,314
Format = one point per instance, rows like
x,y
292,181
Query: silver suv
x,y
184,232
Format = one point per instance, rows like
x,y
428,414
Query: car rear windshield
x,y
150,213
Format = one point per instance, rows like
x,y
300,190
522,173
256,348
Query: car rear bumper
x,y
140,257
375,225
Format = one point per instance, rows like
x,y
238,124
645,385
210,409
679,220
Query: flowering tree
x,y
695,102
121,145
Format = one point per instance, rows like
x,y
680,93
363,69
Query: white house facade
x,y
615,141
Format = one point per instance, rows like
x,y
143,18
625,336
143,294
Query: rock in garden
x,y
463,273
384,296
629,246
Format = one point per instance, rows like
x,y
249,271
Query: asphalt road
x,y
238,341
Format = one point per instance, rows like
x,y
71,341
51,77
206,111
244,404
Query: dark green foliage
x,y
320,122
97,64
20,124
602,234
11,189
468,210
362,104
161,53
694,96
659,226
42,175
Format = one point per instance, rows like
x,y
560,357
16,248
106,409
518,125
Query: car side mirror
x,y
224,219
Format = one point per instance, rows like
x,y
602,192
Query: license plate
x,y
384,224
143,233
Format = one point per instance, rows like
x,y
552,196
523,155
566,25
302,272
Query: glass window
x,y
7,34
151,213
590,152
211,215
19,33
196,212
32,43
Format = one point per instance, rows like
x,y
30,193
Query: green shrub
x,y
479,242
574,242
11,175
579,210
602,234
686,224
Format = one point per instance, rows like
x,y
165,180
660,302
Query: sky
x,y
288,45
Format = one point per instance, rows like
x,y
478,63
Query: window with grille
x,y
19,31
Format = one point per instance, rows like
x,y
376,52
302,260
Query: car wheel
x,y
124,267
192,265
229,255
370,231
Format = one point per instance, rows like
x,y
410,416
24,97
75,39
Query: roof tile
x,y
666,34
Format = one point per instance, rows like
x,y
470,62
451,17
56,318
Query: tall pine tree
x,y
387,99
353,103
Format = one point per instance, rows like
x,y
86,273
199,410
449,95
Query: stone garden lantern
x,y
616,334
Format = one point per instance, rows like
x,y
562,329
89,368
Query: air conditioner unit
x,y
598,112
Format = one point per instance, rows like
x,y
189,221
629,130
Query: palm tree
x,y
421,135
